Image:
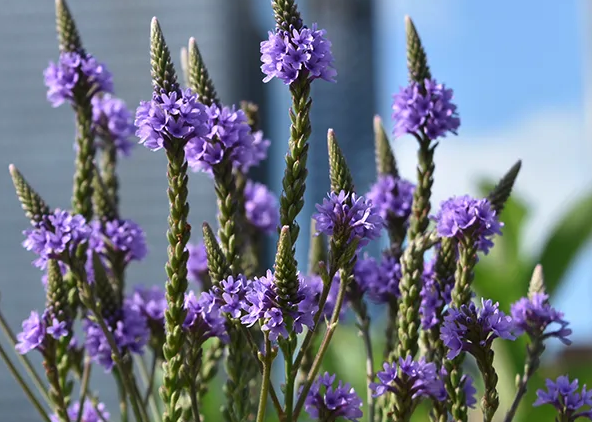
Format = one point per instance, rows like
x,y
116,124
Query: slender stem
x,y
138,397
122,396
266,380
156,414
290,378
194,404
33,375
150,381
324,346
364,327
84,387
23,385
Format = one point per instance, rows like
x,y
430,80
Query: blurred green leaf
x,y
565,241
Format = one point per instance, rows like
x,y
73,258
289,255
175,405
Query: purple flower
x,y
315,284
471,329
350,215
411,378
114,121
381,280
427,110
392,197
229,135
204,318
232,292
32,335
324,400
258,149
463,216
90,413
262,302
564,396
54,234
197,265
57,329
149,301
434,295
534,315
130,332
261,207
287,53
469,390
121,236
62,78
171,117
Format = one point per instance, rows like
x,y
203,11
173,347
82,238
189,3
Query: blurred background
x,y
521,73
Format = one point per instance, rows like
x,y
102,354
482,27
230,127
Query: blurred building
x,y
39,139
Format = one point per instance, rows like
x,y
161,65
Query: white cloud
x,y
555,164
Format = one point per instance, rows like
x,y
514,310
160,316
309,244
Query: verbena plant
x,y
246,316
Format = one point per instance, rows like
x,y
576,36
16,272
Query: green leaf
x,y
568,237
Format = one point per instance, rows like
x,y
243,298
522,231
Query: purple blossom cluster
x,y
315,283
564,395
113,120
171,117
63,77
327,403
197,264
35,330
261,207
90,412
425,109
150,302
258,149
348,215
470,329
434,295
122,236
130,332
56,234
392,197
463,216
204,317
534,315
409,378
259,300
228,136
288,54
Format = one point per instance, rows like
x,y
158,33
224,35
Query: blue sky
x,y
517,69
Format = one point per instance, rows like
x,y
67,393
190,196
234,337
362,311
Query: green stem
x,y
84,388
122,396
420,208
19,379
490,400
266,380
33,375
290,380
364,326
151,397
150,380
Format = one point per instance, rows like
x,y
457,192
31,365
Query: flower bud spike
x,y
286,14
252,112
199,79
341,178
67,32
163,72
286,278
417,61
501,192
386,164
33,205
217,265
104,208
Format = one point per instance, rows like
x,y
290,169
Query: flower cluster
x,y
197,264
228,136
90,412
121,236
564,396
392,197
425,109
463,216
130,332
348,215
288,54
434,295
149,302
315,283
114,122
470,328
169,117
261,207
258,150
204,318
409,378
35,330
55,234
325,402
62,78
534,315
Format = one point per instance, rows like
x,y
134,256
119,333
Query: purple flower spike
x,y
534,315
409,378
463,216
197,265
32,335
112,119
471,329
204,318
324,400
261,207
259,149
90,412
316,285
63,77
348,214
434,296
392,197
122,236
150,302
563,394
427,110
286,54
